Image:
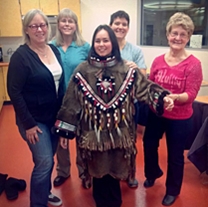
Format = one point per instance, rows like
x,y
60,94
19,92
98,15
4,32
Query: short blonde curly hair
x,y
180,19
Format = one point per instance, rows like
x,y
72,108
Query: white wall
x,y
96,12
9,43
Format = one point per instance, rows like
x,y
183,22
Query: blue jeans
x,y
42,153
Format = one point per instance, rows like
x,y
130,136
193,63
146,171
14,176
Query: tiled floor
x,y
15,160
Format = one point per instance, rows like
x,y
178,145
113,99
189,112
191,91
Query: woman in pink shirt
x,y
180,73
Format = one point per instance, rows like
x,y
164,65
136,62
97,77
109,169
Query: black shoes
x,y
3,178
168,200
54,200
13,186
132,183
59,180
150,182
87,182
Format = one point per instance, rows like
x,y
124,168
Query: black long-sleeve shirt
x,y
32,89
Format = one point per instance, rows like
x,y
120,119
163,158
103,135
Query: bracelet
x,y
178,97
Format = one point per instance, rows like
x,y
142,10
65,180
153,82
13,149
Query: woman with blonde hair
x,y
179,72
74,50
36,87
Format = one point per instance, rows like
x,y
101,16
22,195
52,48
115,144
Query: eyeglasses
x,y
34,27
69,21
175,34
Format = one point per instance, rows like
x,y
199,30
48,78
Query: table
x,y
200,112
203,99
204,83
198,153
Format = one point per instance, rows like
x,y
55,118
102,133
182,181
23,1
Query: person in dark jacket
x,y
35,85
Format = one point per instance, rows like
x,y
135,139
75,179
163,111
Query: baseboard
x,y
7,102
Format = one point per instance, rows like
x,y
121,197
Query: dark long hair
x,y
115,48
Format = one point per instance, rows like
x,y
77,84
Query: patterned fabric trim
x,y
157,102
65,126
109,62
116,101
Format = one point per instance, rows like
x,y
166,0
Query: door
x,y
2,92
10,19
49,7
74,5
28,5
5,70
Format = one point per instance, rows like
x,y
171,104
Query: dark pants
x,y
177,132
107,192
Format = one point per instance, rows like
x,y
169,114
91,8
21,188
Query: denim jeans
x,y
42,154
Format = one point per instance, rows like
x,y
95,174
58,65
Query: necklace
x,y
42,52
44,55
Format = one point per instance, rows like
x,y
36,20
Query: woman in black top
x,y
35,86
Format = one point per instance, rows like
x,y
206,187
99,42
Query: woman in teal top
x,y
70,43
72,57
74,50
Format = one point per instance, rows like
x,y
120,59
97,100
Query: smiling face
x,y
177,38
36,30
67,26
102,43
120,27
